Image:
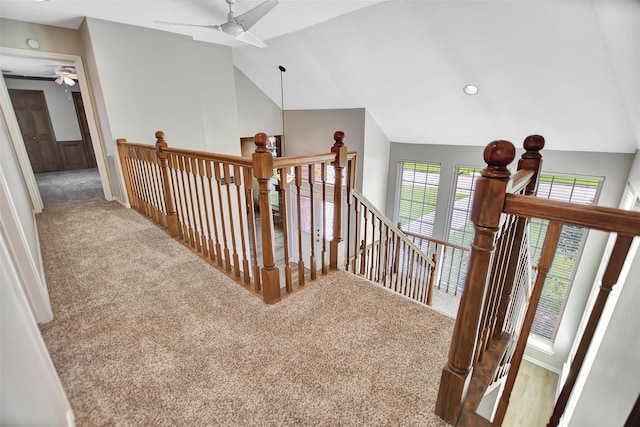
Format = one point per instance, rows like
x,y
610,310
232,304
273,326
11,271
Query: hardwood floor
x,y
533,397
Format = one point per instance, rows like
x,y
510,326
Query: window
x,y
460,230
460,226
582,190
417,194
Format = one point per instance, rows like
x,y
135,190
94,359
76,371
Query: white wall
x,y
153,80
61,109
311,132
30,392
21,228
256,111
611,371
614,167
614,376
375,163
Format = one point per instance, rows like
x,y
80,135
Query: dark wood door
x,y
31,111
84,129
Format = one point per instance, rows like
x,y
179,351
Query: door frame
x,y
16,135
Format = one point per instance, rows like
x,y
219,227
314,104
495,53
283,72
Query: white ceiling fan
x,y
66,75
238,26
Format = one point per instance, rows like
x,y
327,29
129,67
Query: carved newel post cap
x,y
338,137
261,139
533,143
160,136
497,155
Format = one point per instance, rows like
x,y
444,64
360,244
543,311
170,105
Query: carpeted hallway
x,y
147,333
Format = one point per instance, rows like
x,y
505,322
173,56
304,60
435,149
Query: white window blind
x,y
460,230
581,190
416,196
460,226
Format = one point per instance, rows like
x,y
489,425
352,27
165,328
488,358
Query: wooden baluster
x,y
245,261
199,202
386,256
530,160
356,236
363,260
263,171
193,233
379,266
228,180
195,204
609,279
225,241
546,258
125,169
248,179
323,177
298,181
133,174
207,244
218,247
486,214
372,256
312,227
284,188
396,264
144,187
186,196
178,191
350,201
432,278
336,249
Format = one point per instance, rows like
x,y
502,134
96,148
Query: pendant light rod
x,y
282,71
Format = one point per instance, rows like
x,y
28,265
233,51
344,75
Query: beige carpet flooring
x,y
147,333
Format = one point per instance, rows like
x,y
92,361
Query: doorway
x,y
16,134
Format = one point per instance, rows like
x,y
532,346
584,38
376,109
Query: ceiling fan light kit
x,y
238,26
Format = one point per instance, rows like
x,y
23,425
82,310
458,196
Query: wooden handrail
x,y
207,201
382,253
358,195
222,158
436,241
304,160
498,267
595,217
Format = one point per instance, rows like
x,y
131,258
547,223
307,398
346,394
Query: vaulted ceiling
x,y
567,69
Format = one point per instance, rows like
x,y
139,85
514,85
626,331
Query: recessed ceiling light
x,y
470,89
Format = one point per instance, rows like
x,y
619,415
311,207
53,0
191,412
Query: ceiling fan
x,y
238,26
66,75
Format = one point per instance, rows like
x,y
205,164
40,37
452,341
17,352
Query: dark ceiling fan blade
x,y
247,19
212,27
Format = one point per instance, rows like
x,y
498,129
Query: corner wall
x,y
153,80
256,111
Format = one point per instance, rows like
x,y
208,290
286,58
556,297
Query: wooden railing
x,y
382,253
451,261
209,203
499,303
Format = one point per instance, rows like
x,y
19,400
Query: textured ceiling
x,y
567,69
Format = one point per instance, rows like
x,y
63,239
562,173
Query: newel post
x,y
336,248
486,216
263,171
172,215
532,160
